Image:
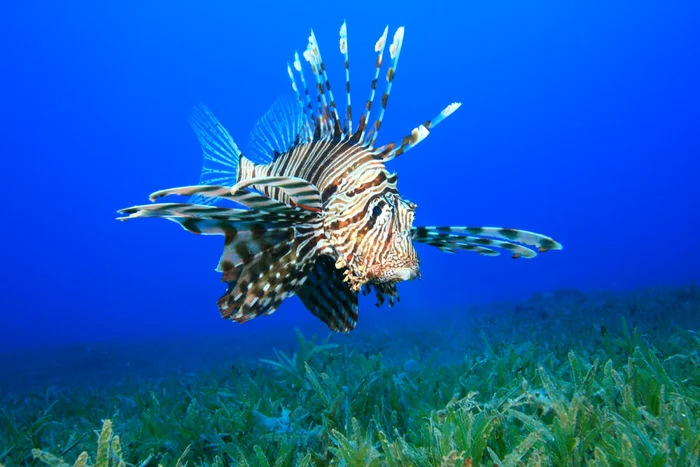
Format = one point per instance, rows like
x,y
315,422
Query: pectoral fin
x,y
243,197
485,240
328,297
299,191
267,255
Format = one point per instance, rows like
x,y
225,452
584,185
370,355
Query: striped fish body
x,y
364,225
318,214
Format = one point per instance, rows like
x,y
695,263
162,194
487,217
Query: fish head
x,y
388,252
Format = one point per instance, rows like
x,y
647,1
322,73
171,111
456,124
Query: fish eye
x,y
376,211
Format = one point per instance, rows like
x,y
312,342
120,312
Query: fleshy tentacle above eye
x,y
485,240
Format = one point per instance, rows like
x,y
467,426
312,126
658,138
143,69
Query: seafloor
x,y
562,379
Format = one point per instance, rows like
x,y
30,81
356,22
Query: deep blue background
x,y
580,121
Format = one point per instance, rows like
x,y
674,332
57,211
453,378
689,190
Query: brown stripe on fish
x,y
378,180
268,278
230,236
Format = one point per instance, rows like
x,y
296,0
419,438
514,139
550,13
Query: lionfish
x,y
319,215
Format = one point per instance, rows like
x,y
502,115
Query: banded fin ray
x,y
246,244
243,197
253,280
260,279
447,245
326,295
394,53
391,152
299,191
265,255
344,51
364,119
484,239
324,121
220,153
205,219
306,103
330,121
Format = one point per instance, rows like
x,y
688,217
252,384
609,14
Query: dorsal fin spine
x,y
323,75
300,100
379,48
308,109
344,51
420,133
312,55
394,51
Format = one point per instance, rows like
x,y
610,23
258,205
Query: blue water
x,y
580,120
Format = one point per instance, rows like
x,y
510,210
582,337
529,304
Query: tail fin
x,y
220,153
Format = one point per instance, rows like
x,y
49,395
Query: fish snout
x,y
404,274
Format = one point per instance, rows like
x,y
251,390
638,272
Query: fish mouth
x,y
400,274
381,274
405,274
